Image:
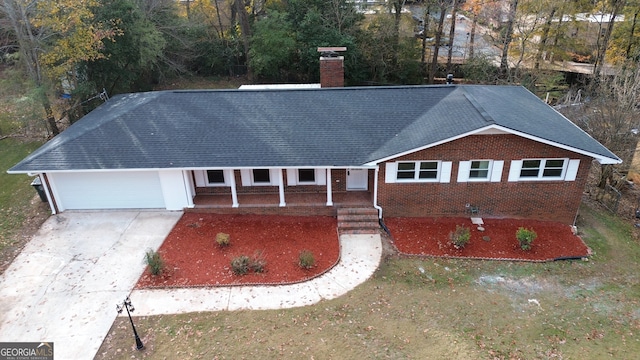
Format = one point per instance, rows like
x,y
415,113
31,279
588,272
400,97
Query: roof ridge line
x,y
485,115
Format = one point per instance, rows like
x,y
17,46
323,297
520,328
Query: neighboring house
x,y
407,151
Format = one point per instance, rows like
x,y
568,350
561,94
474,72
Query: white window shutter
x,y
390,172
514,171
321,176
245,176
496,170
572,170
201,177
292,177
445,171
463,171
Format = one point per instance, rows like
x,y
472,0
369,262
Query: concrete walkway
x,y
359,258
64,285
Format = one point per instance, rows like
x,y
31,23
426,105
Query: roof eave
x,y
41,171
602,159
605,160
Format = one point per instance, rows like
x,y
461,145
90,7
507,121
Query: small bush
x,y
525,238
240,265
306,260
223,239
155,262
258,262
460,237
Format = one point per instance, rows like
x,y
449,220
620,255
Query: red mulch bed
x,y
430,237
193,258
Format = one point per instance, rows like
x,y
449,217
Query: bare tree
x,y
20,15
612,117
425,25
530,15
504,63
395,8
474,7
442,5
634,23
245,28
452,33
613,9
545,33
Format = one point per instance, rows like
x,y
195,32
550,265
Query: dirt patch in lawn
x,y
430,237
193,258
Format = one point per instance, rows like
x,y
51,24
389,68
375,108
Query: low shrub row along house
x,y
407,151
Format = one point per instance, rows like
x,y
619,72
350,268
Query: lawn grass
x,y
432,309
16,193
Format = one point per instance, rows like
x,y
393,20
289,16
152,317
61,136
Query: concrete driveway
x,y
64,285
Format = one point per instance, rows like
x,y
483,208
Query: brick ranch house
x,y
405,151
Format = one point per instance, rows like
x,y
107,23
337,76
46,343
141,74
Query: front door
x,y
357,179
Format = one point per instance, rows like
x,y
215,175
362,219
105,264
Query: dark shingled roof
x,y
300,127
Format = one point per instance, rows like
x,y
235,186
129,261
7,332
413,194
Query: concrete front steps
x,y
358,221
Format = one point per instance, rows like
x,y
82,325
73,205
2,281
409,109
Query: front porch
x,y
282,191
295,203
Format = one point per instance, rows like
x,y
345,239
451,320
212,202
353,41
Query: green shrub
x,y
258,262
223,239
240,265
460,237
525,237
155,262
306,260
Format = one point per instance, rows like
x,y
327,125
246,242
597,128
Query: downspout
x,y
375,193
45,185
574,228
55,209
375,200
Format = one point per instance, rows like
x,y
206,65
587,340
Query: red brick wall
x,y
332,72
542,200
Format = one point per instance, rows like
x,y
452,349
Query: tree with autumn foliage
x,y
74,35
53,38
625,38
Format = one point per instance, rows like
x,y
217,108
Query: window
x,y
553,168
261,176
215,176
542,168
212,178
418,171
479,170
530,168
306,176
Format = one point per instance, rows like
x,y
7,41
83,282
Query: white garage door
x,y
107,190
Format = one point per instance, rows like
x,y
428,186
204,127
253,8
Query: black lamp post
x,y
127,305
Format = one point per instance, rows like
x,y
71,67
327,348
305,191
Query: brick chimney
x,y
331,67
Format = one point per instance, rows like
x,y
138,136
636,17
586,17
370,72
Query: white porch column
x,y
281,188
232,185
329,191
